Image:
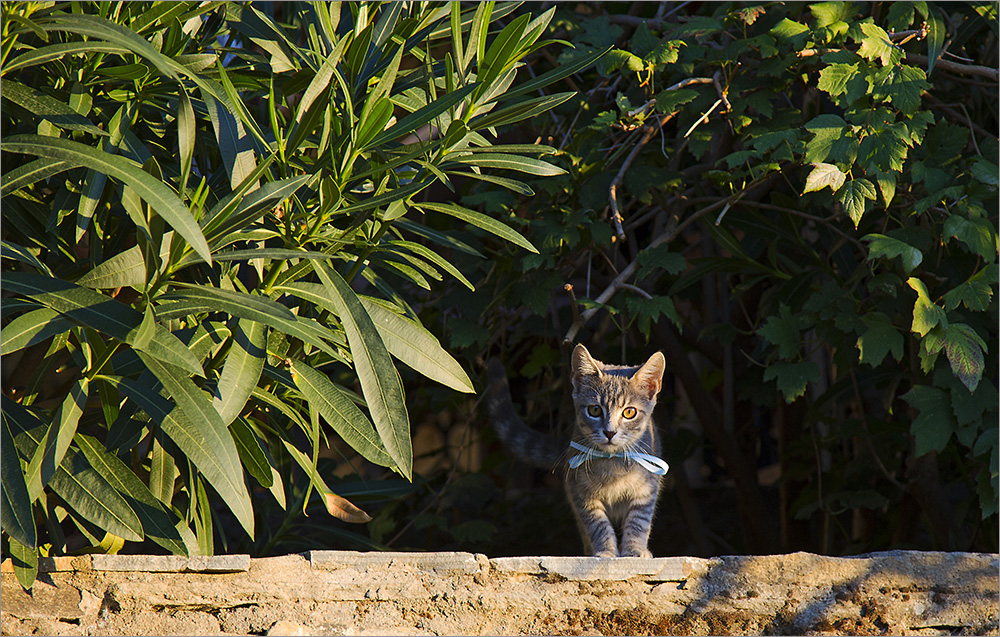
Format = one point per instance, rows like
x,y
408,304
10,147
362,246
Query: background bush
x,y
223,226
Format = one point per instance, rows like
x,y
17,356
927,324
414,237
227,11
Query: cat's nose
x,y
610,433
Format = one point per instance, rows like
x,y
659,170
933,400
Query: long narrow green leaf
x,y
15,508
49,108
554,75
341,413
408,341
519,112
125,269
479,220
379,378
234,144
252,206
251,454
24,559
75,481
308,330
31,328
422,116
32,172
158,524
162,473
159,196
241,370
52,52
509,162
55,443
102,313
195,426
434,258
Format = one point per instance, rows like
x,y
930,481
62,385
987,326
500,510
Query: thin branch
x,y
648,132
954,67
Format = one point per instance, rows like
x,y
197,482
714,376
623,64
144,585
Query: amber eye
x,y
594,410
629,413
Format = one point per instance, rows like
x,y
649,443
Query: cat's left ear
x,y
649,377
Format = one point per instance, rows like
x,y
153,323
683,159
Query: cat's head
x,y
614,403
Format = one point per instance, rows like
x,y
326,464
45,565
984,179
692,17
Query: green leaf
x,y
125,269
409,342
379,379
977,233
888,247
159,196
879,338
792,378
519,112
965,350
56,441
421,116
102,313
32,328
834,78
158,524
15,513
195,427
251,454
783,330
45,54
480,221
976,293
822,176
933,427
854,195
241,370
48,108
29,173
509,162
24,559
341,413
831,140
876,44
79,485
237,213
926,314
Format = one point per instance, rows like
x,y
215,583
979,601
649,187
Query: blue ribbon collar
x,y
648,462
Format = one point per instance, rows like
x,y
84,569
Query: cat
x,y
615,480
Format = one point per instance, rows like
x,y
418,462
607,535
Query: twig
x,y
648,132
573,303
635,288
722,93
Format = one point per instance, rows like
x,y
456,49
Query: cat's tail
x,y
529,445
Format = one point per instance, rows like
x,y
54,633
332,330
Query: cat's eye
x,y
593,411
629,413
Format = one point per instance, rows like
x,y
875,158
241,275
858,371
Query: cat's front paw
x,y
606,553
637,553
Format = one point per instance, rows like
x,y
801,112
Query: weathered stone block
x,y
451,562
172,563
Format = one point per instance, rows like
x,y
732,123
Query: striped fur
x,y
605,494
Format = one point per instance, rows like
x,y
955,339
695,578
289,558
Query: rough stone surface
x,y
348,593
171,563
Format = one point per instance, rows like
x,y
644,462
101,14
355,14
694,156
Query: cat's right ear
x,y
583,364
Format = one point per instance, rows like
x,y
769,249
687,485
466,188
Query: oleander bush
x,y
217,223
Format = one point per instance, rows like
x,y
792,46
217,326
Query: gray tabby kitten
x,y
614,409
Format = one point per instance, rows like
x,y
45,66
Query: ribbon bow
x,y
649,462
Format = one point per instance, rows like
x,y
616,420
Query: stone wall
x,y
350,593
